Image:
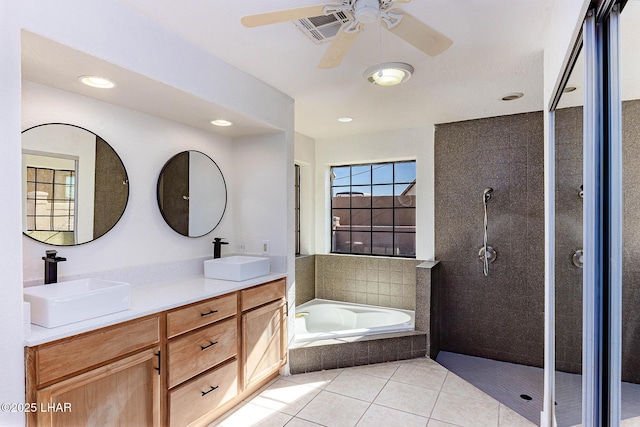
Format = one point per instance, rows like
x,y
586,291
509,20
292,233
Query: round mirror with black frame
x,y
75,187
192,193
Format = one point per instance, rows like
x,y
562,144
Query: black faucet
x,y
217,246
51,266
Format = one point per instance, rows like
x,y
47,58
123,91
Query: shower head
x,y
486,194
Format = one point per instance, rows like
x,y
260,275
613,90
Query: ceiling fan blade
x,y
421,36
338,48
276,17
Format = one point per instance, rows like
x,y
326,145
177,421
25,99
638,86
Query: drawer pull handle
x,y
206,314
204,393
210,345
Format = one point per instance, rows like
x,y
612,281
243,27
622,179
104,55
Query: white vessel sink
x,y
236,268
62,303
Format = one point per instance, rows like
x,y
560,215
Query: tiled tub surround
x,y
500,316
330,354
569,238
389,282
305,278
345,353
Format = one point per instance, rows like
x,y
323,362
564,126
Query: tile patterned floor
x,y
416,392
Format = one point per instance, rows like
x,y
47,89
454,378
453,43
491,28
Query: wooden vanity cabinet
x,y
263,332
106,377
181,367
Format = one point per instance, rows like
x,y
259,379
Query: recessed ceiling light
x,y
345,119
97,81
569,89
389,73
221,122
512,96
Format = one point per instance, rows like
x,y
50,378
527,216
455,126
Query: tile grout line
x,y
378,394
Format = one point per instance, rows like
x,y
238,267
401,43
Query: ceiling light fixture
x,y
97,82
512,96
221,122
389,73
345,119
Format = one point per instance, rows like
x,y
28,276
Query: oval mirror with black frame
x,y
192,193
75,187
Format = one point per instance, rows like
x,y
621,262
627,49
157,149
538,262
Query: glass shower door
x,y
569,249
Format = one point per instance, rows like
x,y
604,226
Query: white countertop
x,y
150,299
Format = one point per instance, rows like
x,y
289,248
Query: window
x,y
373,208
297,208
50,199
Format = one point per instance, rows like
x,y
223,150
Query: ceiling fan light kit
x,y
366,11
389,73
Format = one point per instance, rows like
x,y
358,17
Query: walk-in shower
x,y
487,255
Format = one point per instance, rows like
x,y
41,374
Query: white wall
x,y
259,188
404,144
305,157
11,330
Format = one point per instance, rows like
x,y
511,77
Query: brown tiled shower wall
x,y
500,316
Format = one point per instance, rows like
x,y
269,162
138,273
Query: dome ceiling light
x,y
389,73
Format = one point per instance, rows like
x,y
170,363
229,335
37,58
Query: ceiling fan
x,y
400,23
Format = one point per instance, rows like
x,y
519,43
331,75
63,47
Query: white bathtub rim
x,y
327,335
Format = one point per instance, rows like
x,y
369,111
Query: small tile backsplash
x,y
388,282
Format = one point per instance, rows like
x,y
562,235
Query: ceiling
x,y
497,49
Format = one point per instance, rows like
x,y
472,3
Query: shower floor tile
x,y
408,393
507,382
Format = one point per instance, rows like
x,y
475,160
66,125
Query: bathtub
x,y
324,319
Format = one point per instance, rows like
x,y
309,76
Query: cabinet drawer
x,y
198,351
203,394
197,315
77,354
258,295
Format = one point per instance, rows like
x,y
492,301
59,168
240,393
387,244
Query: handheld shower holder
x,y
490,254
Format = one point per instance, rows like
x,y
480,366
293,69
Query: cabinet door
x,y
263,341
123,393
